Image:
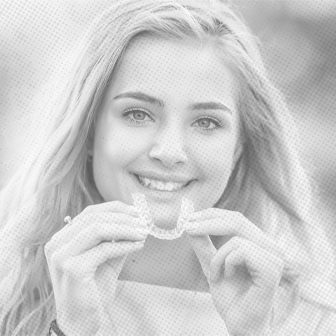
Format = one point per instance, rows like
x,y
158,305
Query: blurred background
x,y
38,40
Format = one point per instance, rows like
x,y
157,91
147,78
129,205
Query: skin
x,y
87,258
172,140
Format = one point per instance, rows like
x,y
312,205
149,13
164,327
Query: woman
x,y
169,99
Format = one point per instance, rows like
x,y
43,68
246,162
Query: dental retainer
x,y
141,204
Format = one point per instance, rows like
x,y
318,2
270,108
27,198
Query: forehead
x,y
189,69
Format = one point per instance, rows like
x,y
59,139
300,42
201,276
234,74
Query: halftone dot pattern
x,y
180,117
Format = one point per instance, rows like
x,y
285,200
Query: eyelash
x,y
215,121
133,121
131,110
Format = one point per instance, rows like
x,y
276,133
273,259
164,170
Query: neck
x,y
170,263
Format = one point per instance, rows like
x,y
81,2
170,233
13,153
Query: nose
x,y
168,147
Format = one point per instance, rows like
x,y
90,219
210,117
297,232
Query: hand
x,y
84,265
243,274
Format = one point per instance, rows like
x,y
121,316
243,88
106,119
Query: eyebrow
x,y
156,101
142,97
209,106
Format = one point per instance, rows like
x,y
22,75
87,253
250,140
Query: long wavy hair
x,y
268,185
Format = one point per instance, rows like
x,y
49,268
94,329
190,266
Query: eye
x,y
137,116
208,123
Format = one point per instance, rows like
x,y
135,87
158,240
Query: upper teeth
x,y
160,185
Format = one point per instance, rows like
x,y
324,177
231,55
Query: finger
x,y
120,226
210,213
224,223
84,266
80,272
204,250
94,235
107,207
64,236
114,206
262,271
237,225
104,209
262,266
218,262
106,212
231,223
252,275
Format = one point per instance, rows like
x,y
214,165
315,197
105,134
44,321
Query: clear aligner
x,y
141,204
186,209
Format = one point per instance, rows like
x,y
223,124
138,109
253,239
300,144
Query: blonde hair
x,y
268,184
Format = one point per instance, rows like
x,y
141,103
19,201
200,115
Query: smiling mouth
x,y
157,185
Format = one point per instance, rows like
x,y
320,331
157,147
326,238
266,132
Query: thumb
x,y
204,250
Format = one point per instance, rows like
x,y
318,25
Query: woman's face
x,y
168,127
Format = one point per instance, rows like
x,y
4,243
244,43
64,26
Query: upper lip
x,y
164,177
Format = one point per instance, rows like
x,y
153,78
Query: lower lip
x,y
164,193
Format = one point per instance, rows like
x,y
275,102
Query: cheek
x,y
118,147
215,158
215,162
219,171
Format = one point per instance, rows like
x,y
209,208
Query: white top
x,y
142,309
